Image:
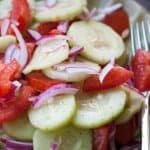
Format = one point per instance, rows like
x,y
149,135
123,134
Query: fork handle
x,y
145,124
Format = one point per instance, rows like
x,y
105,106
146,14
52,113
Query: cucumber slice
x,y
5,41
68,76
100,42
68,138
133,106
63,10
20,128
5,8
54,115
43,58
95,110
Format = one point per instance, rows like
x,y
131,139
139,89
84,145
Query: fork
x,y
140,36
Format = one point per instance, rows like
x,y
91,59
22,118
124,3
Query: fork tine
x,y
144,37
137,36
132,40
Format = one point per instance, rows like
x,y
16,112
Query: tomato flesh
x,y
40,82
141,69
117,76
118,20
13,108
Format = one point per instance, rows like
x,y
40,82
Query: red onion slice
x,y
63,26
8,53
5,26
17,145
34,34
50,3
54,147
53,91
23,47
52,37
78,66
75,51
106,70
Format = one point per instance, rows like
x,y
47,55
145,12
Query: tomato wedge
x,y
101,138
13,108
141,69
44,28
118,20
21,13
55,32
30,48
125,132
117,76
40,82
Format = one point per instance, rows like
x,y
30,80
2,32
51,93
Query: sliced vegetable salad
x,y
64,82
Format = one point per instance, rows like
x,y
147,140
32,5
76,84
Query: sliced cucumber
x,y
20,128
54,115
5,41
63,10
133,106
68,138
5,8
100,42
43,58
69,76
96,110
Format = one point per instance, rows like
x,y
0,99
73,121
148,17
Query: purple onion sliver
x,y
5,26
34,34
54,147
19,145
53,91
63,26
75,51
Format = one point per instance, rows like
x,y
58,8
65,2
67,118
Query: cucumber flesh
x,y
20,128
133,106
53,115
6,41
100,42
68,138
96,110
63,10
43,58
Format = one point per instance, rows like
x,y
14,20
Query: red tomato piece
x,y
13,108
30,48
101,137
117,76
118,20
40,82
141,69
44,28
21,13
5,86
125,132
10,70
55,32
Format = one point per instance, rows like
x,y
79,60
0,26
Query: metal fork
x,y
140,38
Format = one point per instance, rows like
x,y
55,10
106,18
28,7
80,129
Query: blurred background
x,y
145,3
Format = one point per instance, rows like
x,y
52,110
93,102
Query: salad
x,y
64,79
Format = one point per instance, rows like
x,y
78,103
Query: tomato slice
x,y
44,28
40,82
55,32
13,108
117,76
21,13
125,132
5,86
118,20
10,70
30,48
101,137
141,69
